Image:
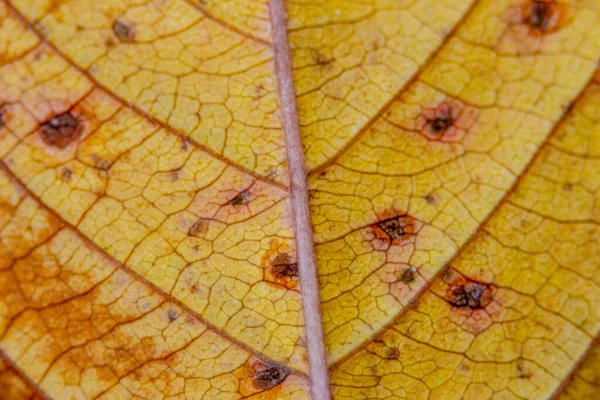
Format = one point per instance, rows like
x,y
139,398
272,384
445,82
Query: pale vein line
x,y
313,324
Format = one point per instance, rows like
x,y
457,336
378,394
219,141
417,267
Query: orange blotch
x,y
279,266
447,122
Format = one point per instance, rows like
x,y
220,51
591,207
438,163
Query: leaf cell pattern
x,y
452,151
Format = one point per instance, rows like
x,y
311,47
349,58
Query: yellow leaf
x,y
386,199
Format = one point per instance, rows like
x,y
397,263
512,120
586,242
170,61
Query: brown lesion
x,y
257,375
396,229
124,31
530,21
279,266
408,275
466,293
446,121
270,375
543,16
240,199
321,59
61,130
199,228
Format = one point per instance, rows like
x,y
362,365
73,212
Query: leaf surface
x,y
152,240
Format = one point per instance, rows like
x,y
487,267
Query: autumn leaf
x,y
231,199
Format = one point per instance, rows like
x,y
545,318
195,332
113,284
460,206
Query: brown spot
x,y
270,376
100,162
66,174
320,59
240,199
392,353
279,266
172,315
431,198
471,294
283,267
123,31
199,228
394,229
174,175
408,275
523,371
543,16
567,187
61,130
447,121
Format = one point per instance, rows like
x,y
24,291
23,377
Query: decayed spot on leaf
x,y
199,228
395,229
465,293
270,376
279,266
61,130
124,31
544,16
448,121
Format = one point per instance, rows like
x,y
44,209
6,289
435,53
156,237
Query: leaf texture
x,y
149,228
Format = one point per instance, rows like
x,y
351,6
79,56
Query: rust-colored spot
x,y
270,376
239,199
199,228
394,229
123,31
471,294
61,130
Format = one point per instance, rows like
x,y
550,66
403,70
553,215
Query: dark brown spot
x,y
320,59
544,16
199,228
61,130
123,31
66,174
540,15
240,199
469,294
441,123
431,198
397,227
408,275
270,376
392,353
283,267
567,187
172,315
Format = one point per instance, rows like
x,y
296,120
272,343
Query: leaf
x,y
162,163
